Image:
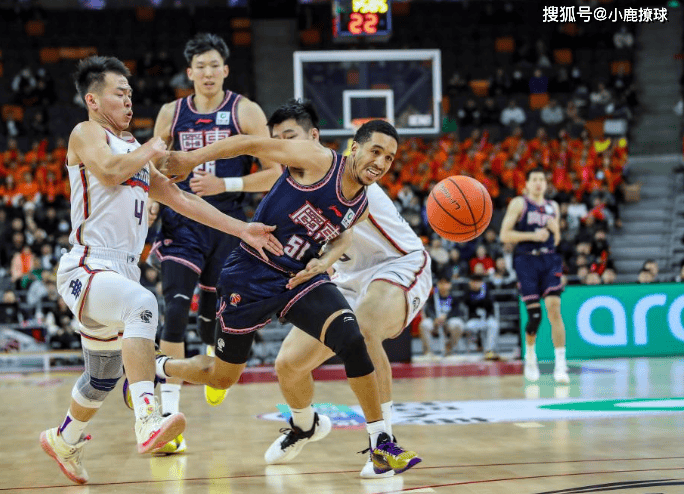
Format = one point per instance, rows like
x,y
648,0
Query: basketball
x,y
459,208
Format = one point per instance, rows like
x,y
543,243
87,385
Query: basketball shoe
x,y
67,456
213,396
560,374
292,440
388,456
175,446
531,370
152,430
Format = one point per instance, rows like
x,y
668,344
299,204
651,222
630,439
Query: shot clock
x,y
361,19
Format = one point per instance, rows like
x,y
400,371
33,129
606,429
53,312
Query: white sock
x,y
303,417
530,352
387,416
142,394
170,397
71,429
374,430
560,357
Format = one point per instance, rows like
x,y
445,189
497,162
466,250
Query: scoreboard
x,y
362,19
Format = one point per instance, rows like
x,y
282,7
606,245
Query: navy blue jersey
x,y
192,130
307,216
535,216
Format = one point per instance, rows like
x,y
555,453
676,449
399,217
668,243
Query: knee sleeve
x,y
206,316
141,315
178,283
533,321
102,371
176,312
343,337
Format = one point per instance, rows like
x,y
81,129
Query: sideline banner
x,y
630,320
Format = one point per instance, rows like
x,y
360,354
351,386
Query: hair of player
x,y
365,132
90,73
204,42
536,169
302,111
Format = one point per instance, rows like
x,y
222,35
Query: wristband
x,y
233,184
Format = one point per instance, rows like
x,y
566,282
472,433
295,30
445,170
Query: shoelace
x,y
390,448
292,436
76,450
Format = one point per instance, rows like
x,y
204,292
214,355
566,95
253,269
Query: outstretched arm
x,y
255,234
89,142
290,152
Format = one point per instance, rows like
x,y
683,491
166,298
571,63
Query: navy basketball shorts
x,y
250,293
538,275
198,247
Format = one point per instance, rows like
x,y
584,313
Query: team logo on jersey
x,y
416,303
235,299
220,344
335,210
348,218
146,316
222,118
75,287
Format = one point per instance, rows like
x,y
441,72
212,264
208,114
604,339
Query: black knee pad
x,y
206,317
344,337
178,283
533,320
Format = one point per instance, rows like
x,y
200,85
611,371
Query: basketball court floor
x,y
617,427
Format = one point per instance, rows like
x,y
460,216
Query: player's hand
x,y
541,235
203,184
177,165
260,237
158,148
152,212
314,267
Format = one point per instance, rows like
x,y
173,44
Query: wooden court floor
x,y
617,427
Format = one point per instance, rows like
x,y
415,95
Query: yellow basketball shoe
x,y
213,396
173,447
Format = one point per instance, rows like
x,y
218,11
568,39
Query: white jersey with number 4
x,y
113,217
383,237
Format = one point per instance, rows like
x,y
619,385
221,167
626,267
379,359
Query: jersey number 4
x,y
139,213
296,247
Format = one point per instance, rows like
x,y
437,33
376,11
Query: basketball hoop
x,y
358,122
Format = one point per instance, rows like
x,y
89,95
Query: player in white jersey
x,y
385,276
111,181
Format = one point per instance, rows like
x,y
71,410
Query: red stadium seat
x,y
35,28
310,37
479,86
538,100
563,56
505,44
242,38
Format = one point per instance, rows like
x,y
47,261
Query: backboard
x,y
402,86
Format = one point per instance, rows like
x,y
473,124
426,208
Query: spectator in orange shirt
x,y
29,188
22,262
8,191
481,257
60,151
53,190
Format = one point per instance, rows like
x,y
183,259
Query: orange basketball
x,y
459,208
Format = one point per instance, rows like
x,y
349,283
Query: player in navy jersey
x,y
313,204
532,223
190,252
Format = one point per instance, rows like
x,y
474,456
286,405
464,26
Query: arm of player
x,y
318,265
508,233
89,142
253,122
554,224
290,152
257,235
